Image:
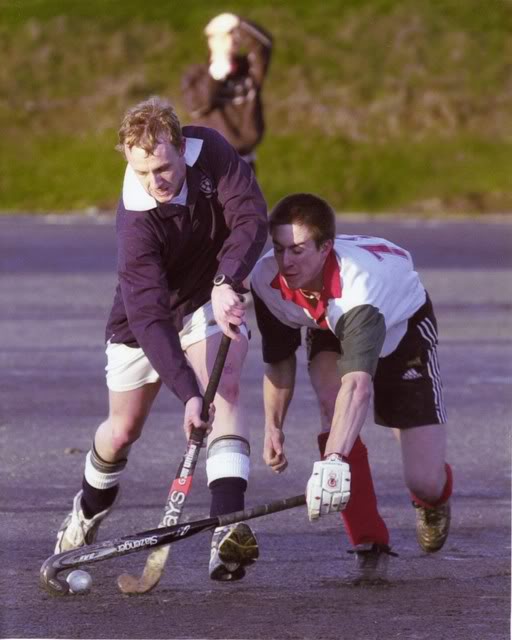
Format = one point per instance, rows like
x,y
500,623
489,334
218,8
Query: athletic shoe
x,y
432,526
371,563
233,548
77,530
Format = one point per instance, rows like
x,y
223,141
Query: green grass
x,y
431,176
59,173
376,104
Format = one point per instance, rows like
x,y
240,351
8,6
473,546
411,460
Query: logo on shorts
x,y
332,480
411,374
206,186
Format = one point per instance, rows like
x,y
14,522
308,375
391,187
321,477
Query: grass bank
x,y
378,105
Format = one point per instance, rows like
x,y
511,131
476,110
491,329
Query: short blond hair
x,y
145,124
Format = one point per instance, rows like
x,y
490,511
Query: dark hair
x,y
308,210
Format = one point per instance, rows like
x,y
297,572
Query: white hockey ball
x,y
79,581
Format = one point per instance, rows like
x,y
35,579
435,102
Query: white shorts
x,y
128,368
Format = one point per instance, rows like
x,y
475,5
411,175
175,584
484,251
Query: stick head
x,y
49,581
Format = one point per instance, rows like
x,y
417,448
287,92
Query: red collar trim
x,y
331,288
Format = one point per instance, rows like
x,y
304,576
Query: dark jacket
x,y
233,106
169,255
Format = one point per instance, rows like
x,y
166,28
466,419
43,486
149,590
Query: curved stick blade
x,y
131,585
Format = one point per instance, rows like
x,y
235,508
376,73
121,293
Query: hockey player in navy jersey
x,y
191,223
370,327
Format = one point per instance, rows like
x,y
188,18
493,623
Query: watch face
x,y
218,280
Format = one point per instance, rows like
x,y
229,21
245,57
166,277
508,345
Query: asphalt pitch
x,y
56,283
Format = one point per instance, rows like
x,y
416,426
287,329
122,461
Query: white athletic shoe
x,y
233,548
77,530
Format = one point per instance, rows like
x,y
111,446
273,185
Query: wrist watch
x,y
222,279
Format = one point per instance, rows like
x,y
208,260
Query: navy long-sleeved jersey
x,y
168,254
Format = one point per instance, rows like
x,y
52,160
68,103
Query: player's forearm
x,y
349,413
278,386
160,343
151,325
257,44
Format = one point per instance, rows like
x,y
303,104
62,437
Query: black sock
x,y
96,500
228,495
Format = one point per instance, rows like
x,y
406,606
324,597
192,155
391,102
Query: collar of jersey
x,y
331,288
136,198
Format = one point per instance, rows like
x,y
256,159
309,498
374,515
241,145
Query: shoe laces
x,y
433,516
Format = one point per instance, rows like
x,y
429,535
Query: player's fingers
x,y
211,417
269,455
234,315
187,428
237,308
274,459
196,421
236,321
281,465
277,446
231,333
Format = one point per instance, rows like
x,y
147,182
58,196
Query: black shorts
x,y
408,391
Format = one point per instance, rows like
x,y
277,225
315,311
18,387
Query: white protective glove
x,y
328,489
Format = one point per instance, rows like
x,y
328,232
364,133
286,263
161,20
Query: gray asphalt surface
x,y
56,283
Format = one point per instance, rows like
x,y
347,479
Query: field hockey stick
x,y
180,488
153,539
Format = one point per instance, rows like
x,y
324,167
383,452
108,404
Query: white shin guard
x,y
228,457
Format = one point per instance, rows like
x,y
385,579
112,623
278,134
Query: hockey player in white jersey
x,y
370,327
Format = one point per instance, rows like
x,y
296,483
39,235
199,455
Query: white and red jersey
x,y
370,291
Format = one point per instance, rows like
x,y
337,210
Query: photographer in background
x,y
225,94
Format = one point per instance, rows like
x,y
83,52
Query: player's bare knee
x,y
125,432
121,440
229,390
